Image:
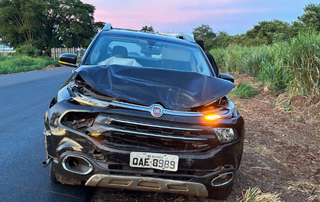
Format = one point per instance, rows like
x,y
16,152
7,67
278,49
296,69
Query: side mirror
x,y
68,59
227,77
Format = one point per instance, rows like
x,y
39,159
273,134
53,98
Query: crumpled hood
x,y
175,90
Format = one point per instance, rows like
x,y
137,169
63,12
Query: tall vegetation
x,y
293,66
303,64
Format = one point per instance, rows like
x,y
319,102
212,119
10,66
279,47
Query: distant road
x,y
24,98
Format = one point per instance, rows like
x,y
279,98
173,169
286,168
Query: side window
x,y
202,66
99,52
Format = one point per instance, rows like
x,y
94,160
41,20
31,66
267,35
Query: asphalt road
x,y
24,98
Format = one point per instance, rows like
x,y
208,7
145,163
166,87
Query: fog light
x,y
225,134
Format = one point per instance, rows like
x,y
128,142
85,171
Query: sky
x,y
231,16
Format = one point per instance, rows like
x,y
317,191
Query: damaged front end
x,y
101,133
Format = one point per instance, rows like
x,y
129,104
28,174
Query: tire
x,y
52,176
220,193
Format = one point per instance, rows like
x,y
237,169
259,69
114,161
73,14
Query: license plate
x,y
154,160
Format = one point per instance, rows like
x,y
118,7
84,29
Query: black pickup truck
x,y
144,111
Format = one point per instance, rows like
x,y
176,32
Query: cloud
x,y
181,15
135,14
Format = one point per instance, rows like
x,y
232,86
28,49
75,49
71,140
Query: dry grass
x,y
259,150
305,187
282,101
256,195
315,198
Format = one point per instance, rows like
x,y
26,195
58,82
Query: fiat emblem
x,y
156,110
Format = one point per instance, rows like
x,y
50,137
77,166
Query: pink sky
x,y
232,16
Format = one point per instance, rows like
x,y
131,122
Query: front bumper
x,y
109,165
101,175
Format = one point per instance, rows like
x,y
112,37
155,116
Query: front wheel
x,y
220,193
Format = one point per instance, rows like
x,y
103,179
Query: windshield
x,y
142,52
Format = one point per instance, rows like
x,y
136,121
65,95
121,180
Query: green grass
x,y
22,63
292,66
2,57
244,90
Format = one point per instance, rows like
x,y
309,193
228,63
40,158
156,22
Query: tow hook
x,y
47,162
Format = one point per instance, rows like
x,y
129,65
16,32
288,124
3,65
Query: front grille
x,y
138,136
134,141
146,128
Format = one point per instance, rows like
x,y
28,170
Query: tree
x,y
47,24
297,27
148,29
268,32
222,40
311,17
20,21
203,31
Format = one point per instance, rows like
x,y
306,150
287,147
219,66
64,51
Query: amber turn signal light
x,y
212,117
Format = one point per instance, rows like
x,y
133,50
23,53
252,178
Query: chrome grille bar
x,y
147,109
154,135
157,126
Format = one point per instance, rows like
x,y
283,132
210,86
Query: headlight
x,y
87,100
224,112
226,135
